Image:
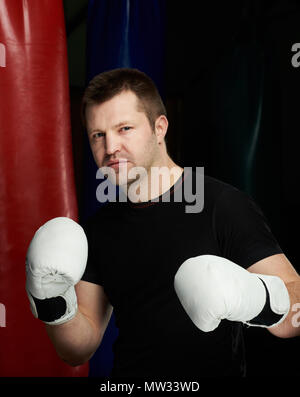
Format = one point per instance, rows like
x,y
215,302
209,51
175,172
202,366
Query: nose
x,y
112,143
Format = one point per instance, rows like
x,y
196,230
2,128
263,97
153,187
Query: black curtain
x,y
232,100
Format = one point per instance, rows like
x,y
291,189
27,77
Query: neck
x,y
158,180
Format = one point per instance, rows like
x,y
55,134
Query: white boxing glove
x,y
212,288
55,262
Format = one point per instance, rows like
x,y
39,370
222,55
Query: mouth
x,y
116,163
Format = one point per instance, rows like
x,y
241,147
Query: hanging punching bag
x,y
36,170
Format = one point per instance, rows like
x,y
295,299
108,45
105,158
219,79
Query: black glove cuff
x,y
266,317
50,309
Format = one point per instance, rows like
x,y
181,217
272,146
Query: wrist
x,y
55,310
277,303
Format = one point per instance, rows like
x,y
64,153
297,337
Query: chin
x,y
121,180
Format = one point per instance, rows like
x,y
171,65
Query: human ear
x,y
161,127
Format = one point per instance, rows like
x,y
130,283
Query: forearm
x,y
76,340
290,327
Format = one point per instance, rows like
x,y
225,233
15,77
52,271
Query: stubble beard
x,y
150,159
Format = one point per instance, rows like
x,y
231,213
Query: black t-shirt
x,y
135,251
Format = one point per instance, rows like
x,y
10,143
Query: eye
x,y
97,135
125,128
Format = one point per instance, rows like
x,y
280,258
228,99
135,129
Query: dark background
x,y
231,94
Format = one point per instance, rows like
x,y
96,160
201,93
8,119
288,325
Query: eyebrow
x,y
118,125
121,123
95,130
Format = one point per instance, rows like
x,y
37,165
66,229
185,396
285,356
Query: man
x,y
181,284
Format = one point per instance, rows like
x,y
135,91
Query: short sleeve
x,y
241,229
93,269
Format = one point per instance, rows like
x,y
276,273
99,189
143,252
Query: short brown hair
x,y
106,85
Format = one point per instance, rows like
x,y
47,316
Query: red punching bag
x,y
36,170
